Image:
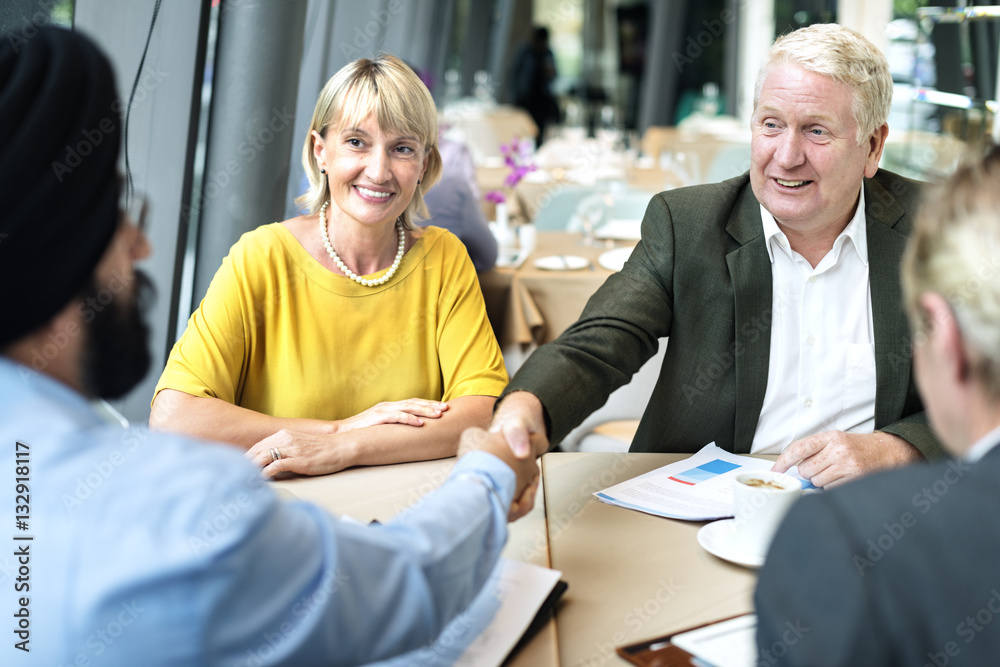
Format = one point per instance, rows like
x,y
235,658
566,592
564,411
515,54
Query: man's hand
x,y
834,457
525,469
520,419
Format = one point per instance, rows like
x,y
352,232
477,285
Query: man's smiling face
x,y
807,166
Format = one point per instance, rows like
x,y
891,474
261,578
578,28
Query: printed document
x,y
698,488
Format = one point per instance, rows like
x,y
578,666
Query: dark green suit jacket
x,y
701,276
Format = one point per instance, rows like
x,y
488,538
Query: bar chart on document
x,y
704,472
698,488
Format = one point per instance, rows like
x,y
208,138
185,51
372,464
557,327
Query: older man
x,y
138,548
901,568
779,291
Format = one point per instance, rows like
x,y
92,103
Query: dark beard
x,y
116,351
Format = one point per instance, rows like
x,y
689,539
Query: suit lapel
x,y
750,271
892,339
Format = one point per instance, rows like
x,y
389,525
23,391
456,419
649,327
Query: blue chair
x,y
556,212
729,162
602,207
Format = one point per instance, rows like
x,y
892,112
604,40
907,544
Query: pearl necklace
x,y
343,267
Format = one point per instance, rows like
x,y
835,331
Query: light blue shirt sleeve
x,y
314,590
155,549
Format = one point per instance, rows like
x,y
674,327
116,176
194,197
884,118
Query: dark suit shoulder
x,y
710,201
889,565
893,199
869,499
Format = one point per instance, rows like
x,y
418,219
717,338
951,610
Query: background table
x,y
529,305
631,575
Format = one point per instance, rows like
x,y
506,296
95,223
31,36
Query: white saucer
x,y
614,260
717,539
561,263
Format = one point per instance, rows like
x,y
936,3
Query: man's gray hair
x,y
845,56
955,252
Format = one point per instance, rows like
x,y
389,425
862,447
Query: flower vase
x,y
506,236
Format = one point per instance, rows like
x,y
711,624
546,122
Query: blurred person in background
x,y
454,204
532,74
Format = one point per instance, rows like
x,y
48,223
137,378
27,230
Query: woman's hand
x,y
302,453
411,412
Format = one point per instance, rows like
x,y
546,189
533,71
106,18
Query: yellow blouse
x,y
280,334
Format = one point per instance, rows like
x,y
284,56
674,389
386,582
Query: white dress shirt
x,y
983,446
821,371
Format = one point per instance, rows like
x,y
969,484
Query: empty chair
x,y
627,402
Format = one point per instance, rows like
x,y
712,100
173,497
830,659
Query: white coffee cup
x,y
761,499
527,236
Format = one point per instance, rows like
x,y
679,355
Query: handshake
x,y
517,437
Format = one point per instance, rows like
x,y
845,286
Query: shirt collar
x,y
19,382
855,232
983,446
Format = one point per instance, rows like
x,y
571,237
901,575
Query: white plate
x,y
717,539
620,230
614,260
512,259
561,263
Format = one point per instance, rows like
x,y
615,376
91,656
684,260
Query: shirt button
x,y
808,403
812,279
811,340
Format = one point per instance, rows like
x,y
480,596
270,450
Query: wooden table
x,y
631,576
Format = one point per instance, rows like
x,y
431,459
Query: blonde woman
x,y
346,336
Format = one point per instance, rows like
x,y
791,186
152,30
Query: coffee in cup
x,y
761,499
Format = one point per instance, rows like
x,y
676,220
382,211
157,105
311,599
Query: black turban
x,y
59,141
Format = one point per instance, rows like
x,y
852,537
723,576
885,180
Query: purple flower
x,y
516,174
516,155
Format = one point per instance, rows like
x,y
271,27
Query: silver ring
x,y
275,454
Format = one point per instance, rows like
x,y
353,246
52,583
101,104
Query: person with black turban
x,y
139,548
